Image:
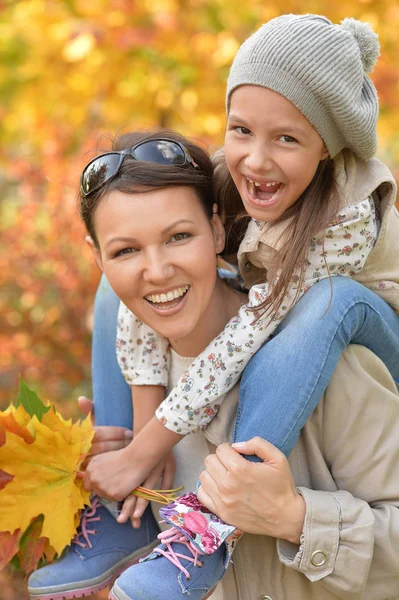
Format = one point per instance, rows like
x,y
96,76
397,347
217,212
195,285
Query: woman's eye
x,y
178,237
124,251
288,139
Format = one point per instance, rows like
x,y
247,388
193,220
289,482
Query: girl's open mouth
x,y
264,193
169,300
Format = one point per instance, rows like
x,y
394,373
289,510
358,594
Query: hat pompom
x,y
367,40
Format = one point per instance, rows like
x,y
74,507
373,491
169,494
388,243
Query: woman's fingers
x,y
208,492
86,406
259,447
109,438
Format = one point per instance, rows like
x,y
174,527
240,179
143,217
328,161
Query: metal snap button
x,y
248,241
248,266
263,597
318,558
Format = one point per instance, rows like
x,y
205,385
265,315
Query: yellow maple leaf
x,y
44,474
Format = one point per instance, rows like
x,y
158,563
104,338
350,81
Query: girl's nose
x,y
259,160
157,267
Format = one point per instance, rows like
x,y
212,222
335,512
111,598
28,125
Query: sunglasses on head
x,y
160,151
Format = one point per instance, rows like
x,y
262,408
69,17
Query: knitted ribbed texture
x,y
321,69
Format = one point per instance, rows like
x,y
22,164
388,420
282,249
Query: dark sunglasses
x,y
160,151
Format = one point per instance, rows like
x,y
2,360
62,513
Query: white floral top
x,y
195,400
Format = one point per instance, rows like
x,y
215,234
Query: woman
x,y
213,301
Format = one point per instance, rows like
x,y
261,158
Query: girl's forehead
x,y
259,106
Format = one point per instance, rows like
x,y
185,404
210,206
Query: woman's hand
x,y
256,497
106,438
161,477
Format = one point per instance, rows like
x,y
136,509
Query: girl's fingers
x,y
127,509
141,505
168,475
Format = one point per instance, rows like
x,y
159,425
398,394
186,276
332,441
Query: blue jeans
x,y
111,394
284,381
286,378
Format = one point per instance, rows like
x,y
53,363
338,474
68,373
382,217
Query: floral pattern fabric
x,y
206,530
341,250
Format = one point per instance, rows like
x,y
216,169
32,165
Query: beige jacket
x,y
356,180
346,466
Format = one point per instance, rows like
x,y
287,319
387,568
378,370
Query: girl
x,y
300,136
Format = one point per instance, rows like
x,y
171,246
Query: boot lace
x,y
89,516
173,536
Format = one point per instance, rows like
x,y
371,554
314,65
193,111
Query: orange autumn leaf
x,y
33,547
9,543
44,476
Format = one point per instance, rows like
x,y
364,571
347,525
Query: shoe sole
x,y
111,596
88,590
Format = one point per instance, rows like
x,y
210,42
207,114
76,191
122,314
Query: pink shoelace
x,y
88,517
171,536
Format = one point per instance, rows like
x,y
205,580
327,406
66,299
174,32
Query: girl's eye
x,y
124,251
288,139
242,130
178,237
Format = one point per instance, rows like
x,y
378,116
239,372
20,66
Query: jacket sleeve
x,y
196,398
142,354
350,540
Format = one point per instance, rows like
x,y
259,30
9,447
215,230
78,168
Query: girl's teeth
x,y
171,295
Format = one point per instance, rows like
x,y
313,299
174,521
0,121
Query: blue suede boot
x,y
191,560
100,551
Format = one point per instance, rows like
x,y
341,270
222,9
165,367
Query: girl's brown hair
x,y
310,215
137,176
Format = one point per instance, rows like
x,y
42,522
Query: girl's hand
x,y
113,475
256,497
161,477
106,438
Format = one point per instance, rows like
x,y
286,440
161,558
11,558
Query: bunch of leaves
x,y
40,494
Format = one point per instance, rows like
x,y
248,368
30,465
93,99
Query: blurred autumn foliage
x,y
71,70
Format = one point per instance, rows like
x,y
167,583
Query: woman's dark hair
x,y
136,176
310,214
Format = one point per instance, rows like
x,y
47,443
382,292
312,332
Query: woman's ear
x,y
95,251
218,233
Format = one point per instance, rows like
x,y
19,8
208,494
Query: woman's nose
x,y
157,267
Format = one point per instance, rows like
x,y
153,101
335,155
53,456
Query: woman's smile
x,y
168,302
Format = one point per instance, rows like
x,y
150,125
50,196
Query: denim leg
x,y
284,381
112,395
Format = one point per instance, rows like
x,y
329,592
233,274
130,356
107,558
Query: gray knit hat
x,y
322,69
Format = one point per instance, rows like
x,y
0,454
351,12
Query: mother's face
x,y
158,250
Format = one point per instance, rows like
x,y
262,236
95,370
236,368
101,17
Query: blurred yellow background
x,y
72,70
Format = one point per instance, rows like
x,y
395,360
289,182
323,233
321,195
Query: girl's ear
x,y
324,153
218,233
95,251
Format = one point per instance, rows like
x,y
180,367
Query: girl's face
x,y
158,250
272,151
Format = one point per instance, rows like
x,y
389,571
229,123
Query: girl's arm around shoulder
x,y
143,355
